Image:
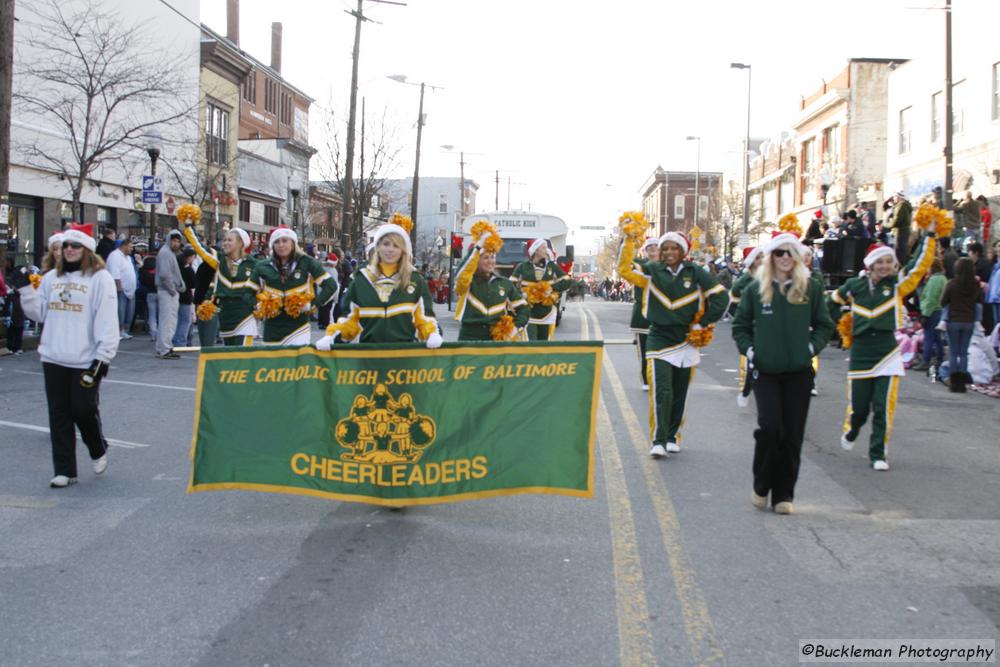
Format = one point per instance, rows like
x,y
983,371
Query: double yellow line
x,y
635,638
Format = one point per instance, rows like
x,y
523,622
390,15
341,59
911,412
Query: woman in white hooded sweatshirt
x,y
78,303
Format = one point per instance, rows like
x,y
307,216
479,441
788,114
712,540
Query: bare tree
x,y
91,82
375,162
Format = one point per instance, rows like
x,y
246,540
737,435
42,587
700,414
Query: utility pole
x,y
352,112
496,196
416,170
6,91
946,194
362,205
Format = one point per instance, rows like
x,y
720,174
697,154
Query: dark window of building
x,y
216,135
286,109
244,210
270,95
249,88
271,216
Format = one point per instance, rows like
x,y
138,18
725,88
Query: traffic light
x,y
456,246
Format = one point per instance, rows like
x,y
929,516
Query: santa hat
x,y
877,251
332,258
678,238
243,237
283,232
82,234
818,214
536,244
651,242
779,239
385,230
56,239
750,254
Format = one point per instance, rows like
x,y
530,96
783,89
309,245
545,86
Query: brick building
x,y
668,199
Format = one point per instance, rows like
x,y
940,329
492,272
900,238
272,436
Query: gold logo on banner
x,y
384,430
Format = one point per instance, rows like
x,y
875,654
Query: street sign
x,y
152,183
171,204
152,197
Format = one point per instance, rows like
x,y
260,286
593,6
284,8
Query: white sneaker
x,y
61,481
880,465
101,464
784,507
657,451
760,502
673,447
814,392
125,336
846,444
742,401
645,387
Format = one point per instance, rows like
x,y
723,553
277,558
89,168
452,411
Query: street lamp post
x,y
153,150
746,154
295,211
697,178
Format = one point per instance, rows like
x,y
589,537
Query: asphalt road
x,y
668,564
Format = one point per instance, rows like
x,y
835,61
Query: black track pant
x,y
782,408
72,406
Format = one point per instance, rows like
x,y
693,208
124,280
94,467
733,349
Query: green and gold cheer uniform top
x,y
292,284
233,290
483,301
877,311
526,275
380,310
670,301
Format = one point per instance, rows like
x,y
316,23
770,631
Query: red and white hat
x,y
652,241
678,238
779,239
536,244
57,239
282,232
82,234
877,251
242,233
750,254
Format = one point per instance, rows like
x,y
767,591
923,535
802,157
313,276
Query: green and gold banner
x,y
398,425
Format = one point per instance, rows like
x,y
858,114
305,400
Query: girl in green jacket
x,y
782,322
541,281
292,284
490,307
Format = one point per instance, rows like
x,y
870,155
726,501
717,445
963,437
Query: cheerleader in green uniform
x,y
678,297
874,302
751,262
485,299
541,281
387,301
291,285
233,292
638,325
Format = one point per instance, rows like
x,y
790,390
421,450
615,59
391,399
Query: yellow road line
x,y
635,642
705,646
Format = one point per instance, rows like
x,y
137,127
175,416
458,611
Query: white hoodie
x,y
80,313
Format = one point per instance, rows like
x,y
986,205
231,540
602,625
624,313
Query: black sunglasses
x,y
70,244
781,252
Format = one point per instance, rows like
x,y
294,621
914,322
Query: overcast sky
x,y
577,102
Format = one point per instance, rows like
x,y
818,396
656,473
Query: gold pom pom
x,y
480,228
701,337
845,327
503,329
403,221
35,280
493,243
188,214
299,303
268,306
790,223
206,310
541,294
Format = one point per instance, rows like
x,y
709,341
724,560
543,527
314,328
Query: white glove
x,y
942,326
749,354
324,343
812,350
434,340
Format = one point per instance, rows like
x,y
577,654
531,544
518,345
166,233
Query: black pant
x,y
71,404
323,317
782,407
903,245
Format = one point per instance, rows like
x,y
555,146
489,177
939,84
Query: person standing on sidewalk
x,y
169,284
962,296
122,268
930,316
874,302
78,303
683,299
782,322
185,301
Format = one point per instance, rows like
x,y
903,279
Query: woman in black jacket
x,y
962,295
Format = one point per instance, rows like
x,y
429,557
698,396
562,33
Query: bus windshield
x,y
514,251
